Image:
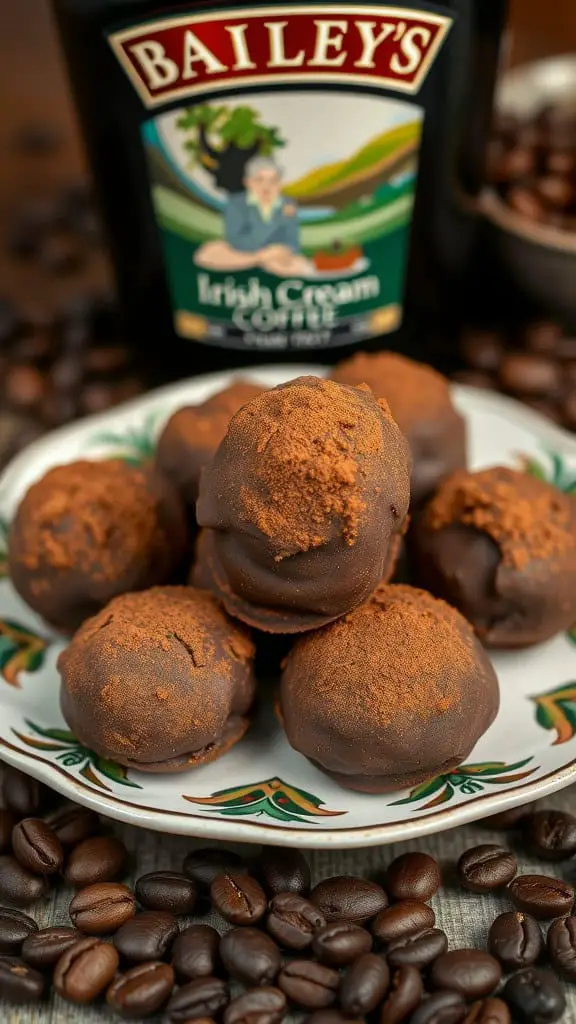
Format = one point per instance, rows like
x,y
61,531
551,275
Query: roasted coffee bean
x,y
204,997
107,359
85,970
21,793
258,1006
308,984
42,949
515,940
24,386
282,869
441,1008
293,920
552,834
488,1011
19,983
512,818
413,876
534,997
525,202
15,927
561,942
142,991
347,898
341,943
541,896
102,908
18,885
147,936
204,865
543,337
196,953
401,919
240,899
97,859
250,956
167,890
37,846
405,994
482,350
419,949
470,972
72,824
364,985
526,373
7,822
487,867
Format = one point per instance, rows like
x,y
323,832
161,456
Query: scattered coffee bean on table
x,y
561,941
261,1005
18,885
167,890
147,936
440,1008
488,1011
552,835
282,869
413,876
515,940
37,846
102,908
195,953
21,793
293,920
204,865
96,859
239,898
204,997
15,927
402,919
19,983
250,956
418,950
364,985
534,997
309,984
85,970
404,995
42,949
486,867
72,824
347,898
341,943
471,972
541,896
142,991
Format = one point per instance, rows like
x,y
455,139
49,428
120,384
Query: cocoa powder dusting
x,y
413,390
204,426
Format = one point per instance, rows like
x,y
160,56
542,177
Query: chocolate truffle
x,y
304,500
192,435
160,680
501,547
394,693
420,402
88,531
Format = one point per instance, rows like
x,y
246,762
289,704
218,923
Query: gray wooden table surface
x,y
465,917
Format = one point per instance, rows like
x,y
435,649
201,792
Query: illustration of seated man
x,y
260,227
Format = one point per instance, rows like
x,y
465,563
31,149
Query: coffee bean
x,y
543,337
258,1006
142,991
7,822
528,374
347,898
19,983
15,927
441,1008
419,949
72,824
195,953
85,970
474,379
308,984
239,898
97,859
364,985
250,956
401,919
552,834
24,386
555,190
488,1011
21,793
341,943
102,908
147,936
293,920
107,359
534,997
166,890
526,203
204,865
487,867
42,949
516,940
470,972
562,947
37,846
482,350
512,818
32,348
18,885
405,994
281,869
413,876
204,997
541,896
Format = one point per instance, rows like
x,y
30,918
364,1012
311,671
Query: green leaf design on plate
x,y
21,650
134,445
556,710
272,798
468,780
70,753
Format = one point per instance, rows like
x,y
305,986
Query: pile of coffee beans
x,y
342,951
536,365
533,165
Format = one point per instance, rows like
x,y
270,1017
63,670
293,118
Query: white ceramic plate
x,y
262,791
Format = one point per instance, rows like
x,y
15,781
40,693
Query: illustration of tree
x,y
223,139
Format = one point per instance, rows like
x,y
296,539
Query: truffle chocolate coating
x,y
88,531
304,500
420,402
394,693
501,547
160,680
193,433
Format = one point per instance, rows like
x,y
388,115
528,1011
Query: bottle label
x,y
283,160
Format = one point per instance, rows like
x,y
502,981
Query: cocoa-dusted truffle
x,y
420,402
88,531
160,680
304,499
394,693
501,546
193,433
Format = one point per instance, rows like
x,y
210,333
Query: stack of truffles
x,y
278,518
